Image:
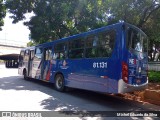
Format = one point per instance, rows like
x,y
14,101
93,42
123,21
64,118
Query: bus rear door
x,y
46,65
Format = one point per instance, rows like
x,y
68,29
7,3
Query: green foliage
x,y
56,19
19,7
154,76
31,43
2,13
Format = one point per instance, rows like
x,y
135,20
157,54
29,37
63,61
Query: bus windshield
x,y
137,40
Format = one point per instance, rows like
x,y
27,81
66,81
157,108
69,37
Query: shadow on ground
x,y
84,102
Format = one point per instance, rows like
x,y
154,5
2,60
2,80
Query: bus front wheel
x,y
25,74
59,82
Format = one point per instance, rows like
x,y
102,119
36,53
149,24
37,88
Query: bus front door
x,y
31,62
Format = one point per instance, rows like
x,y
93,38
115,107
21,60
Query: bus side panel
x,y
36,69
54,67
72,71
84,74
23,61
101,75
22,67
97,74
95,70
46,70
20,70
81,74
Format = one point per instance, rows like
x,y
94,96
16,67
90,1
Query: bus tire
x,y
59,82
25,74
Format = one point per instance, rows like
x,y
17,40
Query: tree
x,y
56,19
136,12
30,43
18,8
142,13
152,29
2,13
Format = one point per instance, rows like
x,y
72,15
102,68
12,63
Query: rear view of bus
x,y
134,61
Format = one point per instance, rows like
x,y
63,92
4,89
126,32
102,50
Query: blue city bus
x,y
110,59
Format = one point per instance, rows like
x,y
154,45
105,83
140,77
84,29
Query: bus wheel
x,y
59,82
25,75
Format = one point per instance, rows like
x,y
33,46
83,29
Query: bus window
x,y
136,40
60,50
32,54
21,56
106,40
101,45
38,54
91,46
76,48
48,54
26,55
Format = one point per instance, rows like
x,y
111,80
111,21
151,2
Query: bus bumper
x,y
124,87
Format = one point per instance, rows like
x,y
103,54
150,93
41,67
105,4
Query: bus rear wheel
x,y
59,82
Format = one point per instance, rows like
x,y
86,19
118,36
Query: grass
x,y
154,76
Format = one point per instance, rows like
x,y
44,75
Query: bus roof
x,y
80,35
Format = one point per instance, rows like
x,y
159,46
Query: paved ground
x,y
17,94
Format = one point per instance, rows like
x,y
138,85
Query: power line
x,y
10,40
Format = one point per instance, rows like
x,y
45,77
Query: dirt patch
x,y
151,94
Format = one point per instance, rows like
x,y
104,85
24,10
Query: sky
x,y
14,33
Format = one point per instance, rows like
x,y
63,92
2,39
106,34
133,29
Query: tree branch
x,y
147,13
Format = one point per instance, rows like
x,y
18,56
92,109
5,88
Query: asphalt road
x,y
17,94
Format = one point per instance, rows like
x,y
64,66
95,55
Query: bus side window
x,y
48,54
76,49
38,54
60,51
32,54
26,55
101,45
21,57
107,40
91,46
